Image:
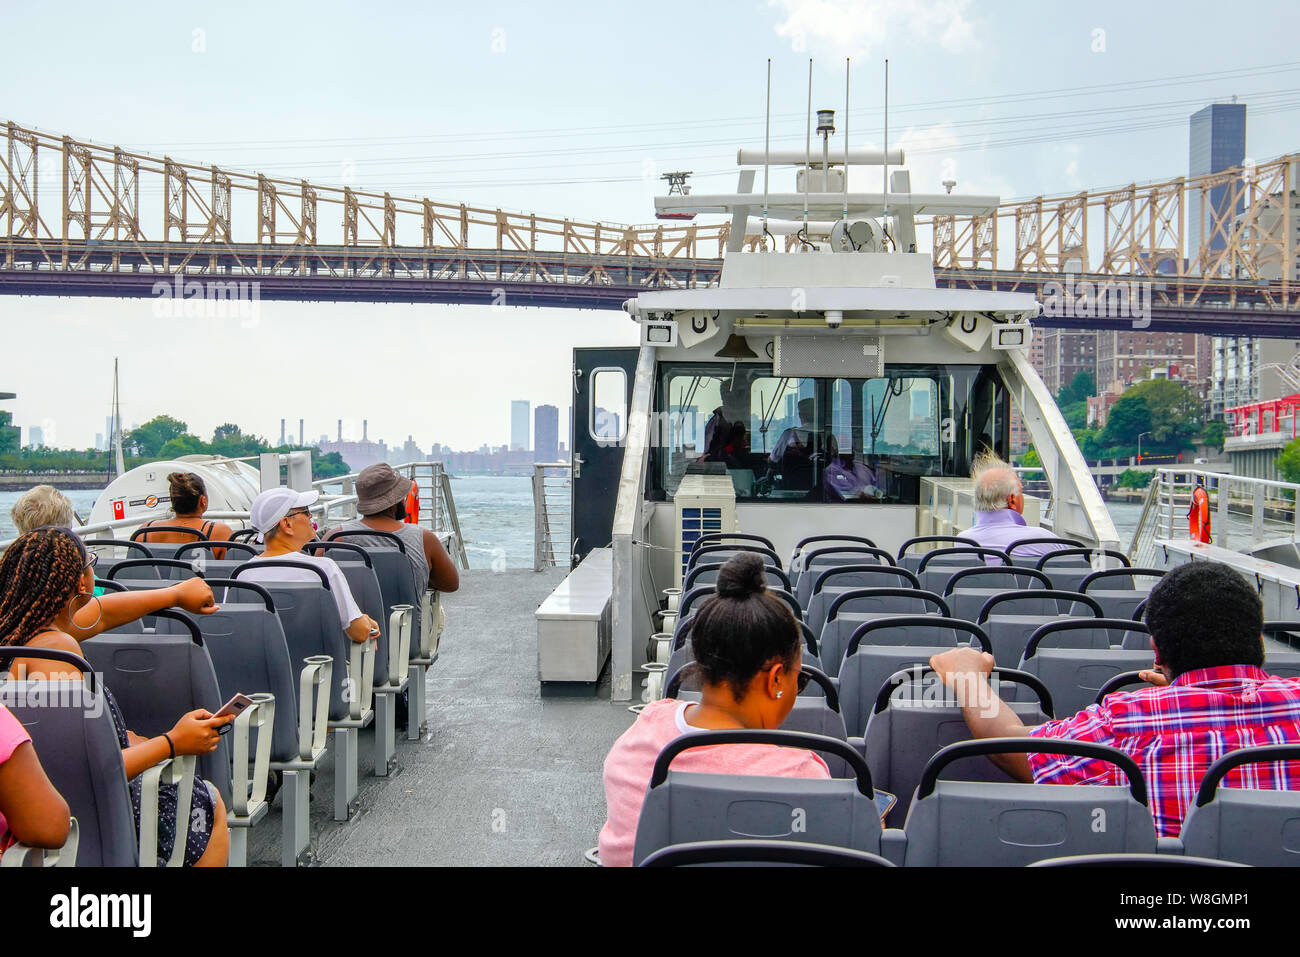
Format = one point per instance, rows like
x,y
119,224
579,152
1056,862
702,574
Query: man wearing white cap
x,y
282,518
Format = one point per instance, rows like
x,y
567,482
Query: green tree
x,y
1214,434
1175,411
328,465
1083,385
1133,478
1288,462
183,445
149,438
1129,417
1076,414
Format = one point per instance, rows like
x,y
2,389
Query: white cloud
x,y
860,27
932,156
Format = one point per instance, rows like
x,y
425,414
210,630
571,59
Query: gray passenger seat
x,y
981,824
73,734
683,806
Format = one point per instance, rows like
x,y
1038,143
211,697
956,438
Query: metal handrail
x,y
1171,489
442,518
546,541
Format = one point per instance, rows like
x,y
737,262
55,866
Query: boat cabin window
x,y
607,417
825,440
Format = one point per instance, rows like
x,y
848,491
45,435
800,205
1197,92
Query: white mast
x,y
117,425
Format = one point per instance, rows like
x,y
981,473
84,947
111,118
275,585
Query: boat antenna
x,y
807,160
767,145
846,139
884,186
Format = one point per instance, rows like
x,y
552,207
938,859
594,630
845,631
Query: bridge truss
x,y
77,218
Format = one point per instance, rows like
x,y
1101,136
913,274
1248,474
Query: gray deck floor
x,y
503,776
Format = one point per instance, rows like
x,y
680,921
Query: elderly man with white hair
x,y
999,504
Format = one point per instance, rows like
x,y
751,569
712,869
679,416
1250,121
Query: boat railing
x,y
1034,482
1268,505
552,515
437,508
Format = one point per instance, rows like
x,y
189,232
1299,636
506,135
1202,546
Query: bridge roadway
x,y
284,272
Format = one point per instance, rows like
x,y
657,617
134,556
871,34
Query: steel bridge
x,y
79,219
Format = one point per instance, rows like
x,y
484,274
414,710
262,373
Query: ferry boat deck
x,y
504,775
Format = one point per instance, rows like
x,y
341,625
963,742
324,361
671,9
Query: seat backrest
x,y
157,678
720,554
936,567
737,538
249,653
683,806
1031,561
701,592
1117,589
158,549
964,823
358,568
796,566
816,582
150,570
761,854
913,561
819,560
1075,676
878,649
846,610
388,555
74,736
914,716
310,620
1254,826
111,551
708,575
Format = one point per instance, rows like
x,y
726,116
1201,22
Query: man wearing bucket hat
x,y
381,498
282,517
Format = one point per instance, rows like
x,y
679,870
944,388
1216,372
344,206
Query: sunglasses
x,y
91,561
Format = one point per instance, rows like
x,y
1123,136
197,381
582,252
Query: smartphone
x,y
234,706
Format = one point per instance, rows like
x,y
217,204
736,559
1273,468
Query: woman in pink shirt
x,y
748,650
31,810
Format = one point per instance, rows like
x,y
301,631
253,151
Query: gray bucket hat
x,y
379,488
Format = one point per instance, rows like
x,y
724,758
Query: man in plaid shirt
x,y
1209,696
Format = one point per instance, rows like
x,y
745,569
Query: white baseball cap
x,y
274,504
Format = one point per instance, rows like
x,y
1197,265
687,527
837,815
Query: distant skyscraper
x,y
519,425
546,434
35,437
1217,142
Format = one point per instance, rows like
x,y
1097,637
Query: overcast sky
x,y
580,106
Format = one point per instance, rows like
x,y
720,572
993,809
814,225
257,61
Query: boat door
x,y
602,387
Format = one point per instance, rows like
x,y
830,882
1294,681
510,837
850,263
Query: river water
x,y
496,518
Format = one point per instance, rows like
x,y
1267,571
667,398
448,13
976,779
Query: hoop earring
x,y
98,618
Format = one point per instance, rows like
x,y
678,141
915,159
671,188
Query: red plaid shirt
x,y
1176,733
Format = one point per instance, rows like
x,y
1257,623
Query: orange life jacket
x,y
413,505
1198,516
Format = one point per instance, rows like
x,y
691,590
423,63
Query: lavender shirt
x,y
1005,527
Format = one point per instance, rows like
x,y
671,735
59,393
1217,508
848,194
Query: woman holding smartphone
x,y
46,579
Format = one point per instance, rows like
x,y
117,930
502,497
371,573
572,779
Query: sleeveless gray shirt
x,y
412,537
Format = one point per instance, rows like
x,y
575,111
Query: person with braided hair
x,y
101,613
748,651
46,579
